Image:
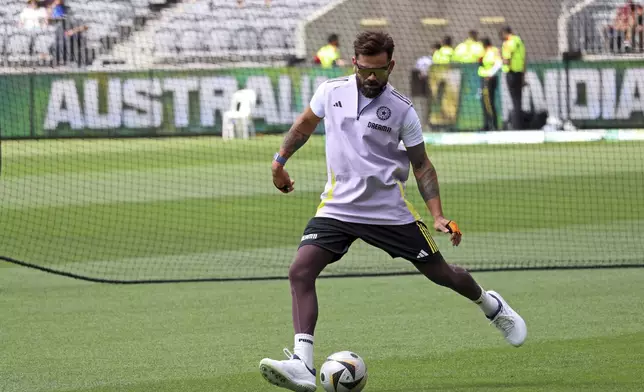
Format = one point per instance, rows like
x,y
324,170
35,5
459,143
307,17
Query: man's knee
x,y
437,272
458,269
299,273
309,262
446,275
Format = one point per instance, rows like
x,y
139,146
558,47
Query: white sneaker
x,y
509,322
292,374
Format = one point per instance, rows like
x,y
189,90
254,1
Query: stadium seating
x,y
587,28
108,22
157,31
214,30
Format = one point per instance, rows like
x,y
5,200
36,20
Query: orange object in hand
x,y
453,227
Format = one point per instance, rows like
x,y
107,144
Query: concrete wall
x,y
534,20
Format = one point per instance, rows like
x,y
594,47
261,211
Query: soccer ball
x,y
343,371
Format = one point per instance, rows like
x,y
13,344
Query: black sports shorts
x,y
412,241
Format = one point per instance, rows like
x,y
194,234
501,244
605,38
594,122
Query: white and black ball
x,y
344,371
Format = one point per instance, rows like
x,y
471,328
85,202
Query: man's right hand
x,y
300,131
281,179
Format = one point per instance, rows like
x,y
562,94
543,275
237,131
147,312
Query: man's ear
x,y
392,64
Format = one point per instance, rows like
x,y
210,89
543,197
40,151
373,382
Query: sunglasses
x,y
380,73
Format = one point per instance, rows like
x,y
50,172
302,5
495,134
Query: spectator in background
x,y
514,65
423,63
57,9
638,28
328,56
444,54
33,17
469,51
490,65
619,32
70,44
420,73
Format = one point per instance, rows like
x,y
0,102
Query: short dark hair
x,y
437,45
486,41
447,40
372,43
333,38
506,29
474,34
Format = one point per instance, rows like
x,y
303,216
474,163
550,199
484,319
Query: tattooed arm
x,y
295,138
427,180
300,131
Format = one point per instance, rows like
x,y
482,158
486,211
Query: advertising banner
x,y
605,94
150,103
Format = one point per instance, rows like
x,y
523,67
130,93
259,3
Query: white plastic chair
x,y
240,115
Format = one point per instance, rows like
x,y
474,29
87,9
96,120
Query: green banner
x,y
603,94
150,103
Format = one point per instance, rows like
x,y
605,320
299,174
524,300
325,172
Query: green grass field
x,y
184,208
199,207
586,333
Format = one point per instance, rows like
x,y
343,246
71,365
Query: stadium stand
x,y
606,27
218,30
108,23
159,32
147,32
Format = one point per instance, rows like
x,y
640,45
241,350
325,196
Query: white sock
x,y
303,348
488,304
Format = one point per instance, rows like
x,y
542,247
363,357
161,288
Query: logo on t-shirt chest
x,y
383,113
379,127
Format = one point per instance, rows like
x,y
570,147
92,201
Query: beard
x,y
371,89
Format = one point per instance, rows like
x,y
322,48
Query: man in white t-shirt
x,y
366,120
33,17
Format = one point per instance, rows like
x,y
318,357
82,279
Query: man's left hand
x,y
444,225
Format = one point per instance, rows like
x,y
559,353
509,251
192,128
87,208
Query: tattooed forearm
x,y
293,141
427,180
299,134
